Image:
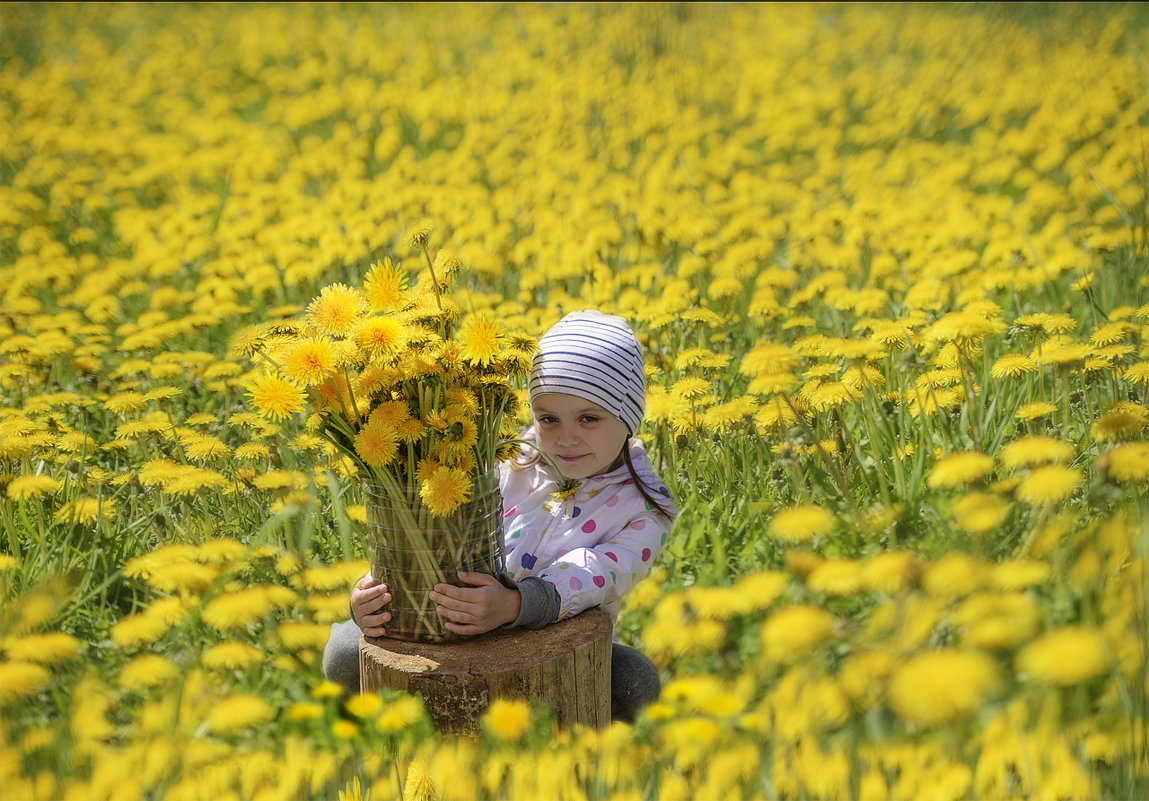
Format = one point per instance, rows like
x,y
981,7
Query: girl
x,y
569,552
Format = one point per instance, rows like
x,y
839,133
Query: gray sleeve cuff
x,y
540,604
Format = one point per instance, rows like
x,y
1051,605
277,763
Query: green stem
x,y
971,397
835,468
434,279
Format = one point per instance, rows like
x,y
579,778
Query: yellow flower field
x,y
890,266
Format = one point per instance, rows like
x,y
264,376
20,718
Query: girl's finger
x,y
460,594
374,620
456,615
477,579
451,601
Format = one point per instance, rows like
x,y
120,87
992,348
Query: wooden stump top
x,y
566,664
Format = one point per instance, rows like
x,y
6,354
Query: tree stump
x,y
566,664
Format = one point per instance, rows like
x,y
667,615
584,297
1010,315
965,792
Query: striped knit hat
x,y
596,357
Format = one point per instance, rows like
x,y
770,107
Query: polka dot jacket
x,y
594,546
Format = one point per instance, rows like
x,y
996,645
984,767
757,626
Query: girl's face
x,y
581,437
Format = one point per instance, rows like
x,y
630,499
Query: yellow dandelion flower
x,y
1128,462
963,328
336,310
690,388
863,674
792,633
771,357
162,393
305,710
958,469
182,576
28,488
1067,656
759,590
274,397
1121,423
481,339
831,395
980,512
410,430
399,713
50,648
204,448
444,490
364,705
1137,373
836,577
891,335
297,635
21,679
138,629
775,413
381,336
240,608
1111,333
935,688
1058,323
801,523
126,402
148,670
954,574
1035,409
1049,484
337,576
385,286
507,720
418,234
996,620
309,361
231,656
772,383
252,452
891,572
1036,450
1012,365
1063,352
419,784
377,444
859,377
1018,574
238,712
86,511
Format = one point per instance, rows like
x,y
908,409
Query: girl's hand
x,y
485,605
367,601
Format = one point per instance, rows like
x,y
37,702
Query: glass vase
x,y
412,550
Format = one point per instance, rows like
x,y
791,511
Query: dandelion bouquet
x,y
418,397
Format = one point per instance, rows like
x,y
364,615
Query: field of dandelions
x,y
890,267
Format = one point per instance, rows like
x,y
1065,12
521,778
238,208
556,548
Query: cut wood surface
x,y
566,664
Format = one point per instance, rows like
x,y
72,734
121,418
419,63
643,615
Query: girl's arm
x,y
603,573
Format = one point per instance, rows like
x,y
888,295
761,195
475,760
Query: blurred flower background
x,y
890,266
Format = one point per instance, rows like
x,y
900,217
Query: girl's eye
x,y
589,419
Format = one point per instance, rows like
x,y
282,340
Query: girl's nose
x,y
568,435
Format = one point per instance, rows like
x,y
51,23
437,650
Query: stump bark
x,y
566,664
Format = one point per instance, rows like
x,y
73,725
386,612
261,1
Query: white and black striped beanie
x,y
596,357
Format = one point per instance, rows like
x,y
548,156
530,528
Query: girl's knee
x,y
634,683
341,656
